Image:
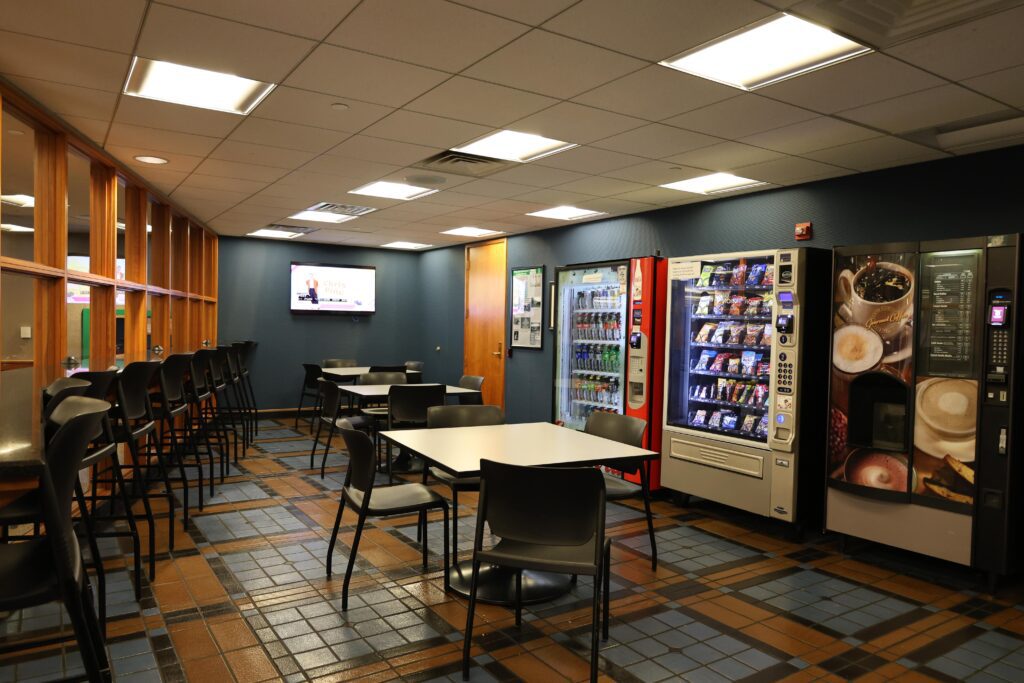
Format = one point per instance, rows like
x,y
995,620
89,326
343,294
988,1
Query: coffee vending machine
x,y
923,400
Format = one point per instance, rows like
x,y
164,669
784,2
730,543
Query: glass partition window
x,y
79,325
119,267
79,167
17,320
17,178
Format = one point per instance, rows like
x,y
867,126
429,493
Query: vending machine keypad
x,y
1000,352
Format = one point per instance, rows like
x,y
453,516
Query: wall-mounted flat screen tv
x,y
326,288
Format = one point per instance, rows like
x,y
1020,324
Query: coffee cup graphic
x,y
878,297
949,407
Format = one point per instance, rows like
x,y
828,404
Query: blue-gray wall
x,y
973,195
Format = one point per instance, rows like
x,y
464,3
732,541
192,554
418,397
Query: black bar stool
x,y
245,349
172,411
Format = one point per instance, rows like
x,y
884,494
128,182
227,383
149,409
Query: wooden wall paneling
x,y
135,326
196,242
179,253
179,325
196,329
160,323
136,201
51,329
160,244
102,219
210,321
51,197
210,265
102,328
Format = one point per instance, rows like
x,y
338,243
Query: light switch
x,y
26,332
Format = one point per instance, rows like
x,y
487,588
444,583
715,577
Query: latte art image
x,y
877,470
950,406
856,349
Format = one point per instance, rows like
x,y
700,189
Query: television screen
x,y
323,288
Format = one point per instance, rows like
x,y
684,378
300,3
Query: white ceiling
x,y
421,76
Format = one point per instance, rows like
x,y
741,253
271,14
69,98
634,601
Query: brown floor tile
x,y
250,664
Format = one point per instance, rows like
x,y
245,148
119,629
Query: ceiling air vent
x,y
342,209
460,163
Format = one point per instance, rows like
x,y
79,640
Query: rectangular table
x,y
351,374
458,451
372,391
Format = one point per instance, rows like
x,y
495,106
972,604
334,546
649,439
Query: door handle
x,y
498,352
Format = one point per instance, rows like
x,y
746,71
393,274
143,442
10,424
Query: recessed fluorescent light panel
x,y
511,145
469,231
405,245
321,217
180,84
566,213
714,183
389,190
275,234
23,201
11,227
767,52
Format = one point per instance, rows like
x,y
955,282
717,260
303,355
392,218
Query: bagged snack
x,y
703,305
748,423
716,419
738,305
705,357
734,365
754,305
739,275
721,303
729,419
760,394
723,389
699,417
719,363
705,276
764,367
736,334
769,274
721,334
749,362
753,331
762,426
720,278
738,391
755,274
705,333
704,391
766,337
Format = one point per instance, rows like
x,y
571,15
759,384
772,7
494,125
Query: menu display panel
x,y
949,308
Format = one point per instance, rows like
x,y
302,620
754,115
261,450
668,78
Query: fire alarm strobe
x,y
803,231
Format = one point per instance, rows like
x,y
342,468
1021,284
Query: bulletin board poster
x,y
527,307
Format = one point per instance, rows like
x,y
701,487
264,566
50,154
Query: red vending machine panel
x,y
645,355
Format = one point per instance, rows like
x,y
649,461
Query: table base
x,y
498,584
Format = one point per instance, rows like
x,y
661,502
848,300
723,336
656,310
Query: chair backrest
x,y
362,462
100,382
199,367
330,398
245,349
410,402
313,373
58,390
133,389
387,368
544,505
222,361
81,421
339,363
230,357
415,365
382,378
622,428
173,370
439,417
474,382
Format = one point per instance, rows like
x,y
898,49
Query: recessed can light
x,y
146,159
339,106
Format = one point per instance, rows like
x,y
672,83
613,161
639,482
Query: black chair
x,y
59,389
359,494
101,383
50,568
441,417
226,410
245,349
176,426
628,430
339,363
415,370
312,372
407,408
330,405
206,424
547,519
474,382
240,397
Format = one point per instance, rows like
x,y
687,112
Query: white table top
x,y
460,449
348,373
374,390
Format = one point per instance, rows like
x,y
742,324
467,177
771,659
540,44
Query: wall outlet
x,y
26,332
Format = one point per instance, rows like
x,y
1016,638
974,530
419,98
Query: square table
x,y
458,450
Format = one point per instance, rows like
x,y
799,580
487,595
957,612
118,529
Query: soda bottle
x,y
613,387
606,359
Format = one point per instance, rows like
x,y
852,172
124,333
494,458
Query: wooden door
x,y
484,335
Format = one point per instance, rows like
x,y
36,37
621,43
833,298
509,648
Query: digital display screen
x,y
786,299
997,315
321,288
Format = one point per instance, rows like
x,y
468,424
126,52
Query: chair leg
x,y
298,412
351,562
152,441
645,489
327,448
594,625
519,598
94,550
447,556
136,549
93,657
316,442
98,636
133,450
467,638
455,524
424,543
334,534
607,587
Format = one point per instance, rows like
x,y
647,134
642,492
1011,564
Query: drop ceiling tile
x,y
203,209
242,171
656,93
219,45
153,114
971,49
350,171
209,182
434,33
656,140
881,152
807,136
162,180
1006,85
346,73
618,205
268,203
740,116
532,12
946,104
291,189
600,186
261,155
536,175
474,216
69,100
106,24
657,196
308,18
853,83
790,171
421,178
292,105
659,29
656,173
556,197
552,65
576,123
93,129
589,160
51,60
514,207
287,135
455,199
162,141
495,188
468,99
185,193
724,156
392,152
323,187
175,162
424,129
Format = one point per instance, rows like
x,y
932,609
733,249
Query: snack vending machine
x,y
922,405
608,325
745,352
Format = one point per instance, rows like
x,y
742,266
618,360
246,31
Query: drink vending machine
x,y
924,400
609,325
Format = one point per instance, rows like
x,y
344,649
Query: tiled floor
x,y
244,597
